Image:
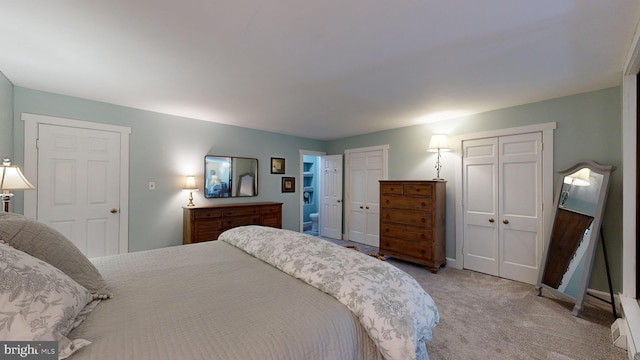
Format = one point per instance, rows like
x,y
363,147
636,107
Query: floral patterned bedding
x,y
393,308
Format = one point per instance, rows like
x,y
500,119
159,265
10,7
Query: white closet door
x,y
520,191
480,163
366,168
503,206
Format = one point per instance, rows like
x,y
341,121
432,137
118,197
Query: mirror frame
x,y
594,234
233,189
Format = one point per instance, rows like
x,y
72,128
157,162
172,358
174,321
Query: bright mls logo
x,y
33,350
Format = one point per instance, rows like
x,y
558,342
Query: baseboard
x,y
601,304
452,263
630,325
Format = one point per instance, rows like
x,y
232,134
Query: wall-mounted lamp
x,y
437,144
190,186
11,178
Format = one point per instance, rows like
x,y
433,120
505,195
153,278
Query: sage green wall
x,y
588,128
165,149
6,116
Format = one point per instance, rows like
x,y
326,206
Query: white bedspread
x,y
393,308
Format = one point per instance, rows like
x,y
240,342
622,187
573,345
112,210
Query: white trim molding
x,y
630,307
31,123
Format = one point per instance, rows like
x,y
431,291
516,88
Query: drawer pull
x,y
422,236
388,216
387,202
423,204
424,220
386,230
422,252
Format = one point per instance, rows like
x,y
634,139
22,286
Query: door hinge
x,y
37,143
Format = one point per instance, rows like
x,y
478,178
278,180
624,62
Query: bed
x,y
256,293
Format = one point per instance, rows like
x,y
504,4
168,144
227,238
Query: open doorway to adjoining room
x,y
310,191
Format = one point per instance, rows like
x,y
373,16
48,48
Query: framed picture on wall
x,y
288,184
277,165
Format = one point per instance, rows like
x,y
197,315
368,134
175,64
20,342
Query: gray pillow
x,y
47,244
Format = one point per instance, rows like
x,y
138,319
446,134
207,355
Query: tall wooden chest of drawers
x,y
412,221
206,223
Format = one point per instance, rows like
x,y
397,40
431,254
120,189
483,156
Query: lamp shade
x,y
579,178
190,184
11,178
438,142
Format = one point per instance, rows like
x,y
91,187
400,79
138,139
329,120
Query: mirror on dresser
x,y
228,176
580,199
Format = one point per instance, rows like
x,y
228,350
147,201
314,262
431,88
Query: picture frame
x,y
277,165
288,184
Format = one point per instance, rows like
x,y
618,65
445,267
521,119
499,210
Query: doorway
x,y
546,132
310,194
321,195
84,166
502,177
365,167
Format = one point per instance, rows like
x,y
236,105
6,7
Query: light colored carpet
x,y
486,317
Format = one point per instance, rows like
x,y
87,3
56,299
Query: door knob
x,y
114,211
366,207
505,221
339,200
491,220
361,207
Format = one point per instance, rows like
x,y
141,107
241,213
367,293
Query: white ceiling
x,y
320,69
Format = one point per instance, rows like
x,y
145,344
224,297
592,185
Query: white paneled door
x,y
366,168
331,196
503,206
79,186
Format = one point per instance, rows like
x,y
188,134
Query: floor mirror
x,y
580,200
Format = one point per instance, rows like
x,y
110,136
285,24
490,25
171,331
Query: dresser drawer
x,y
391,188
207,213
404,232
207,230
241,211
393,246
418,219
275,209
408,203
272,220
418,190
232,222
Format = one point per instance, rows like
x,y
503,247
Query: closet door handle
x,y
505,221
492,220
